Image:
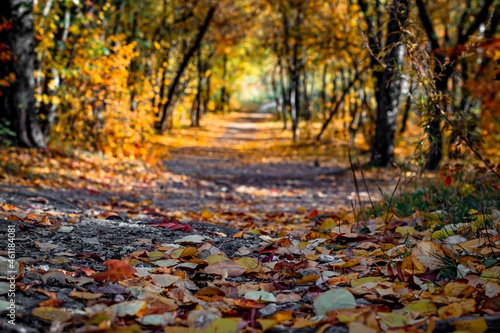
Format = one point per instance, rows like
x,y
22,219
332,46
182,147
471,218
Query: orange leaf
x,y
313,214
117,271
248,304
30,217
13,217
238,234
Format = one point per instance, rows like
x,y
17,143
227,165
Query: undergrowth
x,y
455,197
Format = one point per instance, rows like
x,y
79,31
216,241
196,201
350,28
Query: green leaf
x,y
333,300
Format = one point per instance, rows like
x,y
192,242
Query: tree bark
x,y
274,85
196,109
322,94
223,90
17,102
389,87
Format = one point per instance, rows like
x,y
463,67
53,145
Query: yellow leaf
x,y
50,314
392,319
328,225
223,325
356,327
471,325
84,295
206,215
251,264
492,274
457,289
405,230
361,281
423,307
267,324
282,316
452,310
181,329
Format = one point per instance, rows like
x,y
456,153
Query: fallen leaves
x,y
300,269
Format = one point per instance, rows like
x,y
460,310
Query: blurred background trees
x,y
111,75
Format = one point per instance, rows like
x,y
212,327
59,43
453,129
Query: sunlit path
x,y
238,172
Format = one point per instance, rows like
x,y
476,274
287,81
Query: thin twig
x,y
390,201
353,211
355,183
366,187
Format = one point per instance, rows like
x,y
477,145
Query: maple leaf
x,y
117,271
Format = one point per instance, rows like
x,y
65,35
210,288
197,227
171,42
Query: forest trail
x,y
242,163
238,170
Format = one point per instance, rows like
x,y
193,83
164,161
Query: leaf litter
x,y
106,261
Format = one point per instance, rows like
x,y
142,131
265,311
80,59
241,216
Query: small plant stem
x,y
390,201
366,187
356,184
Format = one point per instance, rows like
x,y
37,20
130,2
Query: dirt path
x,y
238,172
238,163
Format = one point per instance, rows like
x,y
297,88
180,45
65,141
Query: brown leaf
x,y
41,200
117,271
223,267
248,304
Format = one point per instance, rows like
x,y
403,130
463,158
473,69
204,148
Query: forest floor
x,y
236,230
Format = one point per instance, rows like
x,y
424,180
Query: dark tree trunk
x,y
284,95
274,85
223,91
322,94
17,102
196,110
182,66
389,87
305,83
208,92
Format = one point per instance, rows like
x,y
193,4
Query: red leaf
x,y
447,180
313,214
173,224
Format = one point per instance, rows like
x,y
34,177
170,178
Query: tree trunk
x,y
196,110
284,95
182,66
274,85
17,102
223,91
390,87
322,94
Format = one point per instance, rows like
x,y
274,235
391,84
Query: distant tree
x,y
17,100
446,54
387,77
182,66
